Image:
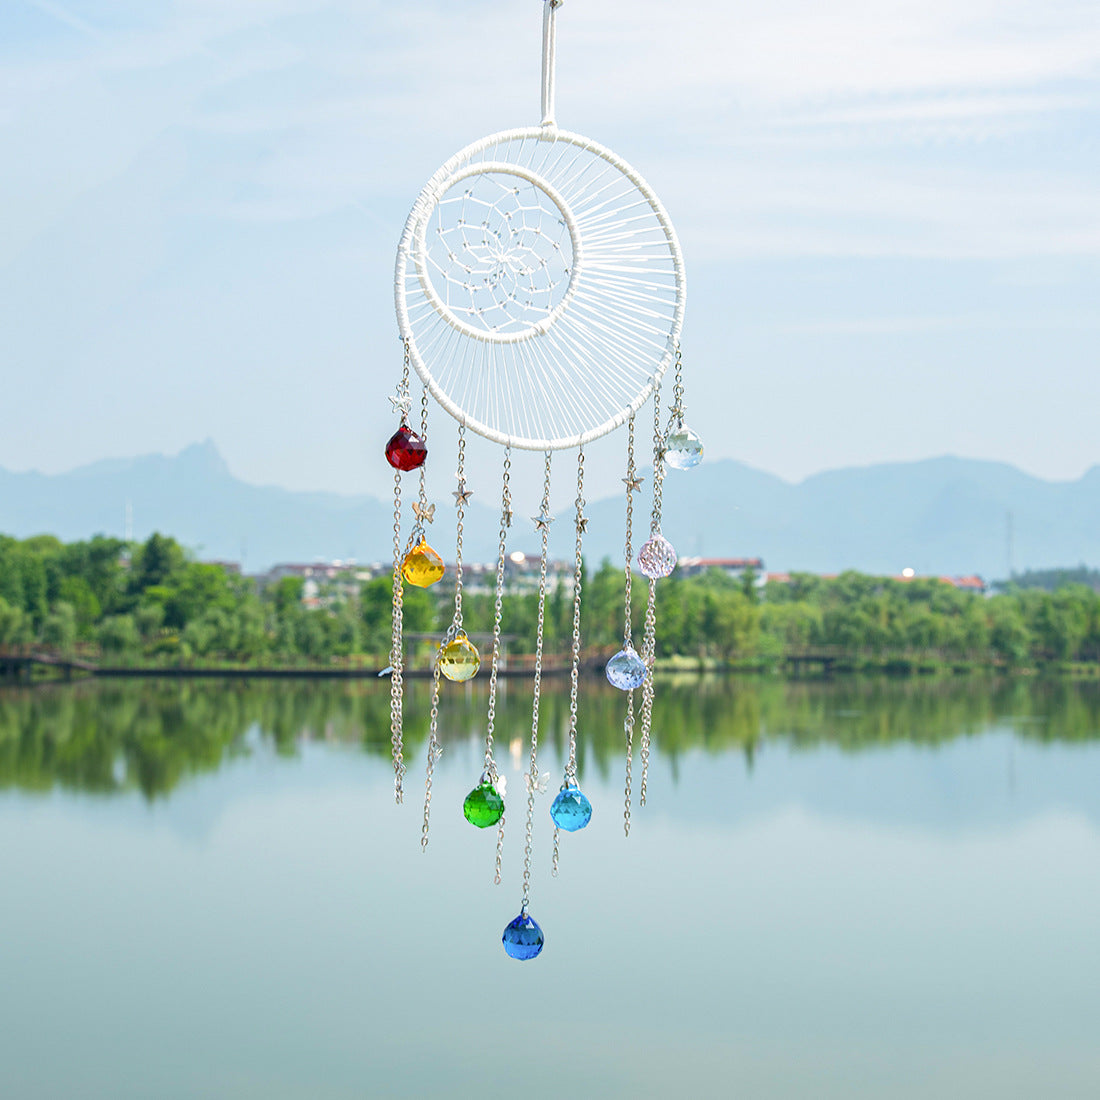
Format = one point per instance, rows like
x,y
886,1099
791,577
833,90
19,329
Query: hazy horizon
x,y
209,444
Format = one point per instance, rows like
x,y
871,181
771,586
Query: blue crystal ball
x,y
523,938
571,810
626,670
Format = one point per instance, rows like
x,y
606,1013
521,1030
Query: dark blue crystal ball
x,y
523,938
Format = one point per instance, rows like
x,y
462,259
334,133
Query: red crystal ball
x,y
406,450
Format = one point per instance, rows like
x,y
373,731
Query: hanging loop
x,y
549,52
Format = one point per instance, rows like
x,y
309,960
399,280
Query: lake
x,y
860,888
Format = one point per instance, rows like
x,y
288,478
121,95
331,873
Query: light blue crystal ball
x,y
626,670
523,938
571,810
683,448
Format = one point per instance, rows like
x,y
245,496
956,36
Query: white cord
x,y
549,50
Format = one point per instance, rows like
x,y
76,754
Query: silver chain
x,y
396,641
658,464
628,726
417,532
533,775
435,749
629,479
574,669
460,504
396,649
498,603
649,646
631,484
676,413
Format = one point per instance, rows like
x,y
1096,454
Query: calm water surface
x,y
858,889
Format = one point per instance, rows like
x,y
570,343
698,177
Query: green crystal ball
x,y
483,806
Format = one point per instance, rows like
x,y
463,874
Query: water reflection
x,y
108,737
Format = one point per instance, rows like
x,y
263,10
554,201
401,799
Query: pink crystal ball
x,y
656,558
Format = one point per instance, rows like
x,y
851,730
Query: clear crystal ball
x,y
657,558
626,670
683,448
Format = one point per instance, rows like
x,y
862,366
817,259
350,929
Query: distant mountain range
x,y
941,515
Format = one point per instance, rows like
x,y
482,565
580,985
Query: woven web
x,y
538,326
500,251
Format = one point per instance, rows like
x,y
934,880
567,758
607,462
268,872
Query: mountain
x,y
941,515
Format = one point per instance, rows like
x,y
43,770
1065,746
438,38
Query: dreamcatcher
x,y
540,293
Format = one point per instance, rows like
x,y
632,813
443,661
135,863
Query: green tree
x,y
118,635
156,562
59,629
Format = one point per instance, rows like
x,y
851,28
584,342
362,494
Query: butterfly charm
x,y
540,784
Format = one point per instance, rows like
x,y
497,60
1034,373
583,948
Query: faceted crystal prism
x,y
656,558
483,806
570,809
459,660
626,670
523,938
422,565
406,450
683,448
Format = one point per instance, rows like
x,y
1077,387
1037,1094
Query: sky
x,y
889,212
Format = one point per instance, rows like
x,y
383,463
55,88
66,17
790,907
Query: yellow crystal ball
x,y
459,660
422,565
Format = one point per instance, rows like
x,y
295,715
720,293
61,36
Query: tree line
x,y
151,603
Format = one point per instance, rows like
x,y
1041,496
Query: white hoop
x,y
575,368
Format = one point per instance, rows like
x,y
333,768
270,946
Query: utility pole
x,y
128,533
1010,540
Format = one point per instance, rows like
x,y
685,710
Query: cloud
x,y
296,108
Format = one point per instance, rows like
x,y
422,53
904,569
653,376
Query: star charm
x,y
633,484
543,520
462,495
582,524
401,402
425,512
677,412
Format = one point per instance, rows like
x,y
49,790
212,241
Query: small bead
x,y
406,450
523,938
